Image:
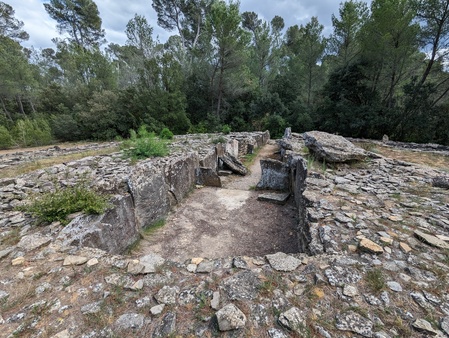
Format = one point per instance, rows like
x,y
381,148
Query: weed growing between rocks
x,y
144,144
313,164
12,237
58,205
375,280
153,227
218,140
249,159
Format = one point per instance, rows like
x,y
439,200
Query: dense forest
x,y
383,70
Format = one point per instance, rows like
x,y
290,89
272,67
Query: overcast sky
x,y
116,14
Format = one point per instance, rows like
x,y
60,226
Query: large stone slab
x,y
114,231
34,241
150,193
242,286
274,198
371,247
275,175
209,159
293,319
207,177
234,164
431,240
180,175
332,148
145,264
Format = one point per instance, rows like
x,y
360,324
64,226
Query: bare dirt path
x,y
226,222
250,181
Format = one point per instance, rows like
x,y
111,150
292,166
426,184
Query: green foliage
x,y
99,120
275,124
65,127
200,128
351,107
78,18
32,132
381,71
5,138
144,144
166,134
57,205
9,25
150,229
226,129
218,140
375,280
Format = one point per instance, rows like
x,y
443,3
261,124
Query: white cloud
x,y
115,15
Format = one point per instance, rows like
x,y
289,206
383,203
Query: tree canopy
x,y
382,70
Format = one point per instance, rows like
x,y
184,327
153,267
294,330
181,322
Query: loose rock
x,y
283,262
353,322
230,318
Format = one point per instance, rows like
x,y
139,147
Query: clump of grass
x,y
249,159
367,146
58,205
375,280
270,282
153,227
220,139
314,164
12,237
446,257
144,144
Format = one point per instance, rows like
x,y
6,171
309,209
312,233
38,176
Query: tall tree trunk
x,y
32,107
220,92
6,112
20,104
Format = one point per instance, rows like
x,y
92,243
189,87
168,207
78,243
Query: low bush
x,y
57,205
144,144
226,129
166,134
218,140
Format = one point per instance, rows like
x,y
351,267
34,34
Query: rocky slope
x,y
377,266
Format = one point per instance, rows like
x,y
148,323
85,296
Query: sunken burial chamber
x,y
146,192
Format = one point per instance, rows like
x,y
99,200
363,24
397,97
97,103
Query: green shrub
x,y
166,134
56,206
200,128
65,127
5,138
144,144
217,140
35,132
226,129
275,124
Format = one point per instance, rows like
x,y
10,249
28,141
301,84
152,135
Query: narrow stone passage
x,y
224,222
